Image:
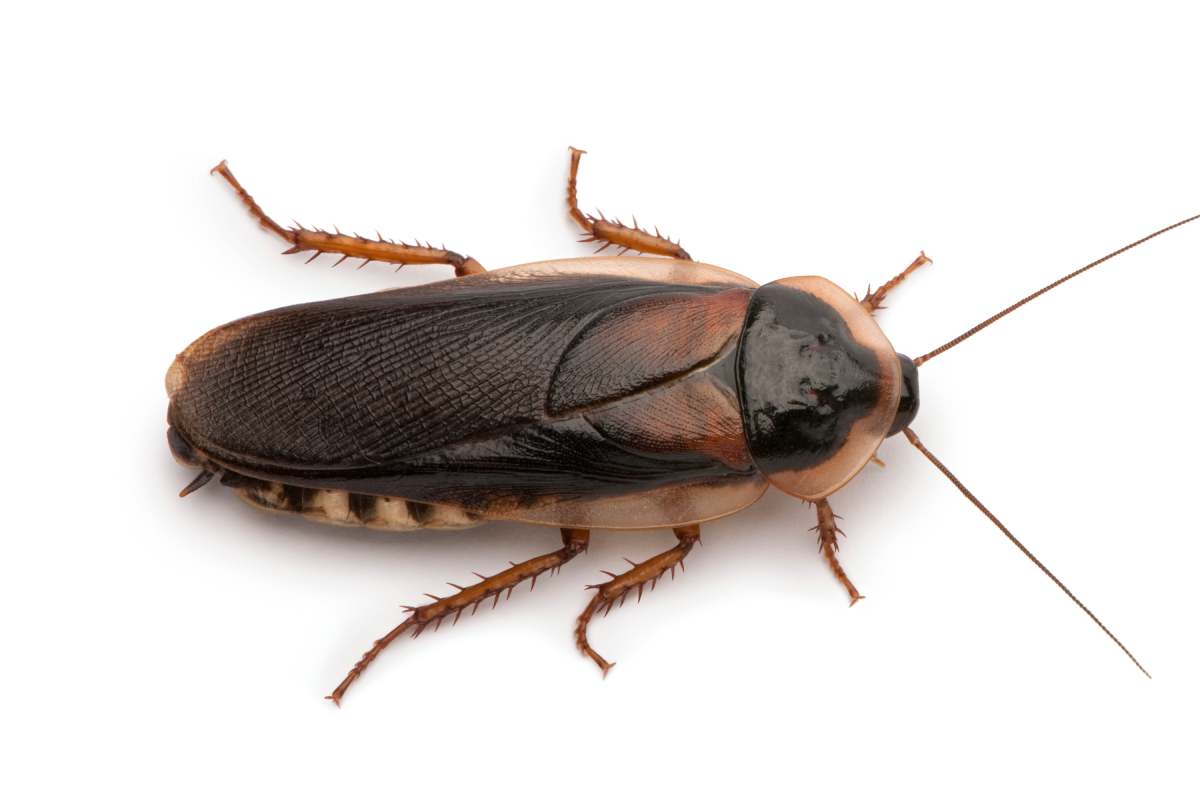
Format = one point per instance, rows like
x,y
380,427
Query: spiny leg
x,y
575,541
649,570
827,532
614,232
874,299
303,239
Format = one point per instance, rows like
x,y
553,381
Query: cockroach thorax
x,y
820,385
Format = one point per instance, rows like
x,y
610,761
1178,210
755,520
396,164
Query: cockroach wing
x,y
586,392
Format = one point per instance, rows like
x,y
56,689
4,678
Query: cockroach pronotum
x,y
620,392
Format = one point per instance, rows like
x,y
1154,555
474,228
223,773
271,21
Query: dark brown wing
x,y
514,389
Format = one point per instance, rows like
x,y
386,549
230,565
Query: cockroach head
x,y
910,396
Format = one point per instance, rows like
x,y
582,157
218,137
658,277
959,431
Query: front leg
x,y
874,299
827,532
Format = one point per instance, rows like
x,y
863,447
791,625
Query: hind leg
x,y
575,541
303,240
613,232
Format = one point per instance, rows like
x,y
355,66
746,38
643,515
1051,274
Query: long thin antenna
x,y
957,340
912,437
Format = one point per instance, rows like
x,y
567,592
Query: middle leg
x,y
648,571
614,232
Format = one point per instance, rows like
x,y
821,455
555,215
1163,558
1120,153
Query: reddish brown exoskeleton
x,y
621,392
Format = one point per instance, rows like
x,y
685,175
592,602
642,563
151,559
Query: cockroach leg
x,y
575,541
318,242
648,571
827,531
614,232
874,299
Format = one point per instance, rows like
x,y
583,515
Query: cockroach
x,y
619,392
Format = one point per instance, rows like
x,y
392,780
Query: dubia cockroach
x,y
620,392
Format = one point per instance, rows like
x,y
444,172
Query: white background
x,y
158,647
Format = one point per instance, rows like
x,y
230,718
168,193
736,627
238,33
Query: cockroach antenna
x,y
916,442
996,317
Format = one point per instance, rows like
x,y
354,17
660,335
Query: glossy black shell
x,y
803,379
819,385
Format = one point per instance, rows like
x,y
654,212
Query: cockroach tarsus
x,y
635,392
